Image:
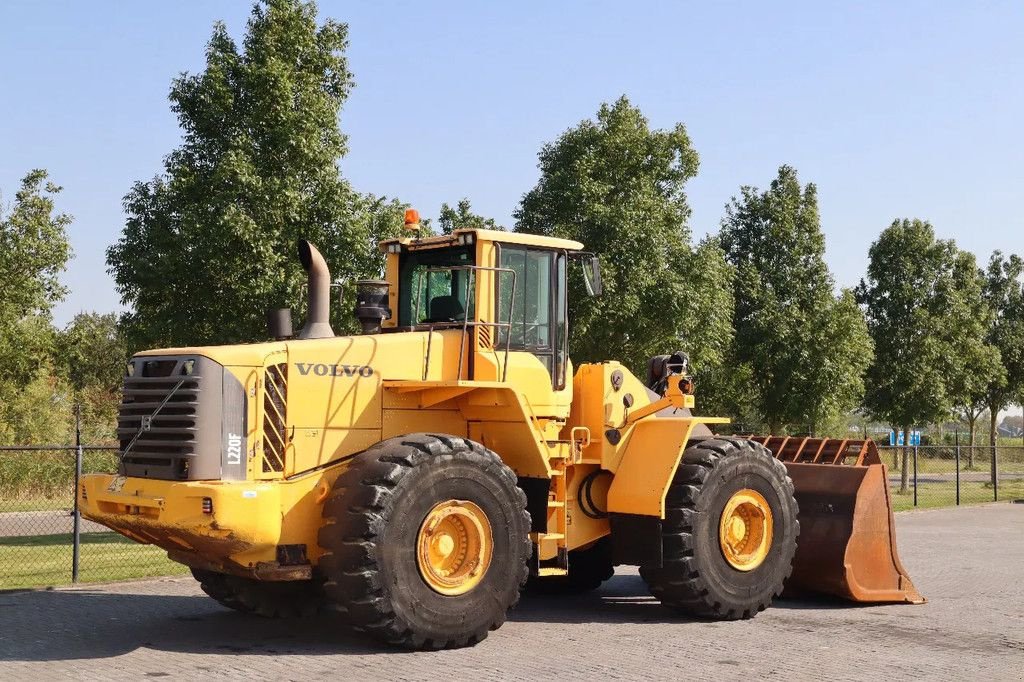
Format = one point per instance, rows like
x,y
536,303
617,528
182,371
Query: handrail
x,y
466,323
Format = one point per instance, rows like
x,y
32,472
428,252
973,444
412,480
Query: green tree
x,y
970,403
923,301
804,349
209,245
707,285
26,344
1004,294
980,370
462,218
40,411
618,186
34,250
91,353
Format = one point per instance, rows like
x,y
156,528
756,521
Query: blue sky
x,y
910,109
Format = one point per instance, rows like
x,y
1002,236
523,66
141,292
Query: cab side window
x,y
537,312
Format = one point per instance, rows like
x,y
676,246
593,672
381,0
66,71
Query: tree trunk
x,y
972,422
895,450
906,459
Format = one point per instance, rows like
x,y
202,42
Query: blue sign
x,y
896,438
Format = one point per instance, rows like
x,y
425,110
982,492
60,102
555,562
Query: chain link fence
x,y
43,540
946,475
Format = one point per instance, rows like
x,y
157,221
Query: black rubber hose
x,y
586,495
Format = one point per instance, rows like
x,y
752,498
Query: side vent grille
x,y
484,335
275,401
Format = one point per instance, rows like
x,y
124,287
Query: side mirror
x,y
592,276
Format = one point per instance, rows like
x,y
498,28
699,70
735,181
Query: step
x,y
551,570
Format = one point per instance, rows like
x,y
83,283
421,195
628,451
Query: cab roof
x,y
499,236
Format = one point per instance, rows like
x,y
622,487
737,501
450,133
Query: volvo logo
x,y
321,370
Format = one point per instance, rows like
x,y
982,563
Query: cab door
x,y
535,307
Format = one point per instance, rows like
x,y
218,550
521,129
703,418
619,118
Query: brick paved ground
x,y
967,561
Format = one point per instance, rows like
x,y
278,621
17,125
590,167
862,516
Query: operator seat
x,y
446,309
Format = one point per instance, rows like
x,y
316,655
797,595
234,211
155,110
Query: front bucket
x,y
847,543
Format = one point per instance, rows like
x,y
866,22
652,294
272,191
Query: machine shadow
x,y
86,624
62,625
622,599
625,599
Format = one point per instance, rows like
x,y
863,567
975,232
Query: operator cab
x,y
508,290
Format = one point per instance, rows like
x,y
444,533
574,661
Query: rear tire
x,y
588,569
376,521
696,577
285,599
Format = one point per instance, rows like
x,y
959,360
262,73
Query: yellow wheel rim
x,y
454,547
745,531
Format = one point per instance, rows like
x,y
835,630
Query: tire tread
x,y
679,583
355,515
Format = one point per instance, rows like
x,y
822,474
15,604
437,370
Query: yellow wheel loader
x,y
417,476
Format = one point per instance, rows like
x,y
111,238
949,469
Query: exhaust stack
x,y
318,324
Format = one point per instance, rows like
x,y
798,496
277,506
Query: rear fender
x,y
495,414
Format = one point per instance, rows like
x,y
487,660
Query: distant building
x,y
1012,426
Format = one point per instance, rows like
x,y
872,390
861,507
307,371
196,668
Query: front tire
x,y
729,534
426,541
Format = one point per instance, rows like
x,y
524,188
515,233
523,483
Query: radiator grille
x,y
167,448
275,402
